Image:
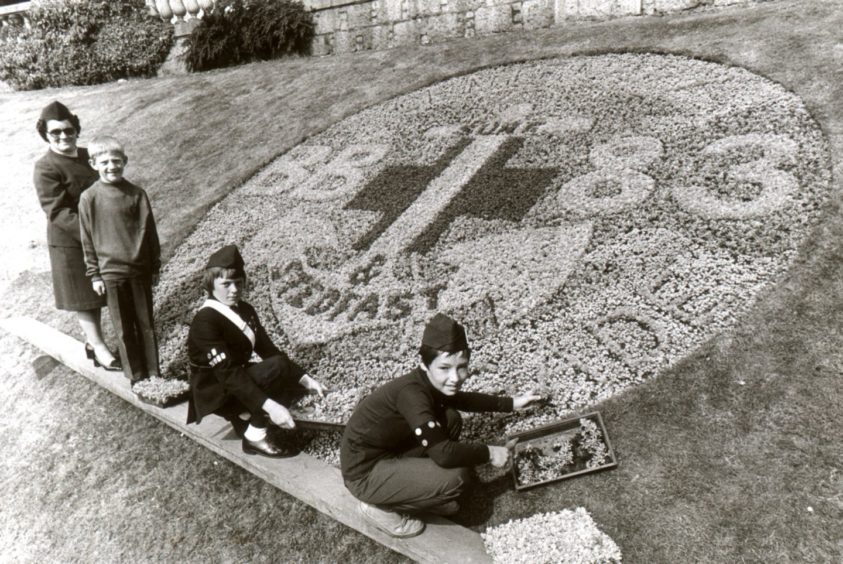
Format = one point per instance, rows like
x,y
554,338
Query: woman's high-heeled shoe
x,y
89,351
112,366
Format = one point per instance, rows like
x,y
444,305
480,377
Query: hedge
x,y
82,42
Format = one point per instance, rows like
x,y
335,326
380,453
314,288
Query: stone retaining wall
x,y
344,26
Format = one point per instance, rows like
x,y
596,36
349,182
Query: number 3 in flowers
x,y
776,185
617,183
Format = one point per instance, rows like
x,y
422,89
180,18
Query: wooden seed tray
x,y
566,429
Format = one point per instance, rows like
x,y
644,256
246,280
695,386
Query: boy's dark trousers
x,y
411,482
130,306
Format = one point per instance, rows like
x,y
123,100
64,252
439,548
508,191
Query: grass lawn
x,y
733,455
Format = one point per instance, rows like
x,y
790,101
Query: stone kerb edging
x,y
591,219
304,477
345,26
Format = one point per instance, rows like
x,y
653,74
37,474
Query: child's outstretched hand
x,y
278,414
498,455
312,386
525,400
99,287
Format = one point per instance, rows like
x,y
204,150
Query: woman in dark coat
x,y
60,177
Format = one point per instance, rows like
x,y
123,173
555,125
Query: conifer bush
x,y
82,42
241,31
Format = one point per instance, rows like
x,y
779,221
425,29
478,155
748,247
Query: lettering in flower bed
x,y
582,216
561,450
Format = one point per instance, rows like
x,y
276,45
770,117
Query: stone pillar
x,y
185,16
179,11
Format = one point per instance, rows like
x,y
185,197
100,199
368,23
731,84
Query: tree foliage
x,y
81,42
240,31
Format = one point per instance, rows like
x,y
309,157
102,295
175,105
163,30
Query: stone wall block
x,y
515,12
326,21
322,45
603,8
343,42
390,11
318,4
383,36
358,15
427,8
664,6
409,9
462,6
493,19
407,32
629,7
444,26
362,38
537,13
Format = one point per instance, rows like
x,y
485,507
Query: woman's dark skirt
x,y
71,287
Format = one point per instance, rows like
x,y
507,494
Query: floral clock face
x,y
590,219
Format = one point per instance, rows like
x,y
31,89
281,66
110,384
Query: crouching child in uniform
x,y
223,334
401,454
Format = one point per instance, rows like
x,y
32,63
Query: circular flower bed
x,y
590,219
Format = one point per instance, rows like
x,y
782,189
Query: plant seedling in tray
x,y
162,392
561,450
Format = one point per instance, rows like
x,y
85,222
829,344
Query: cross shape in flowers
x,y
418,203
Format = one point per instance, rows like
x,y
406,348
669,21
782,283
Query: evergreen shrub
x,y
81,42
240,31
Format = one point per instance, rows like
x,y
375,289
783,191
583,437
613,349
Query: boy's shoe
x,y
445,510
398,525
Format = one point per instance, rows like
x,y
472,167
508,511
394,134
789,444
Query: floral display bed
x,y
562,537
591,220
561,450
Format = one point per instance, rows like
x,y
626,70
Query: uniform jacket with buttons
x,y
409,412
214,339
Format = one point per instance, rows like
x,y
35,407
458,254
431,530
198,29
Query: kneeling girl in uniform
x,y
223,335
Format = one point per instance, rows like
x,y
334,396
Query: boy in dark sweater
x,y
122,255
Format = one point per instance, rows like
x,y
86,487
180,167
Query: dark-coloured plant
x,y
240,31
82,42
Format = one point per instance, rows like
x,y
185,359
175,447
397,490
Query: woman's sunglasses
x,y
68,131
